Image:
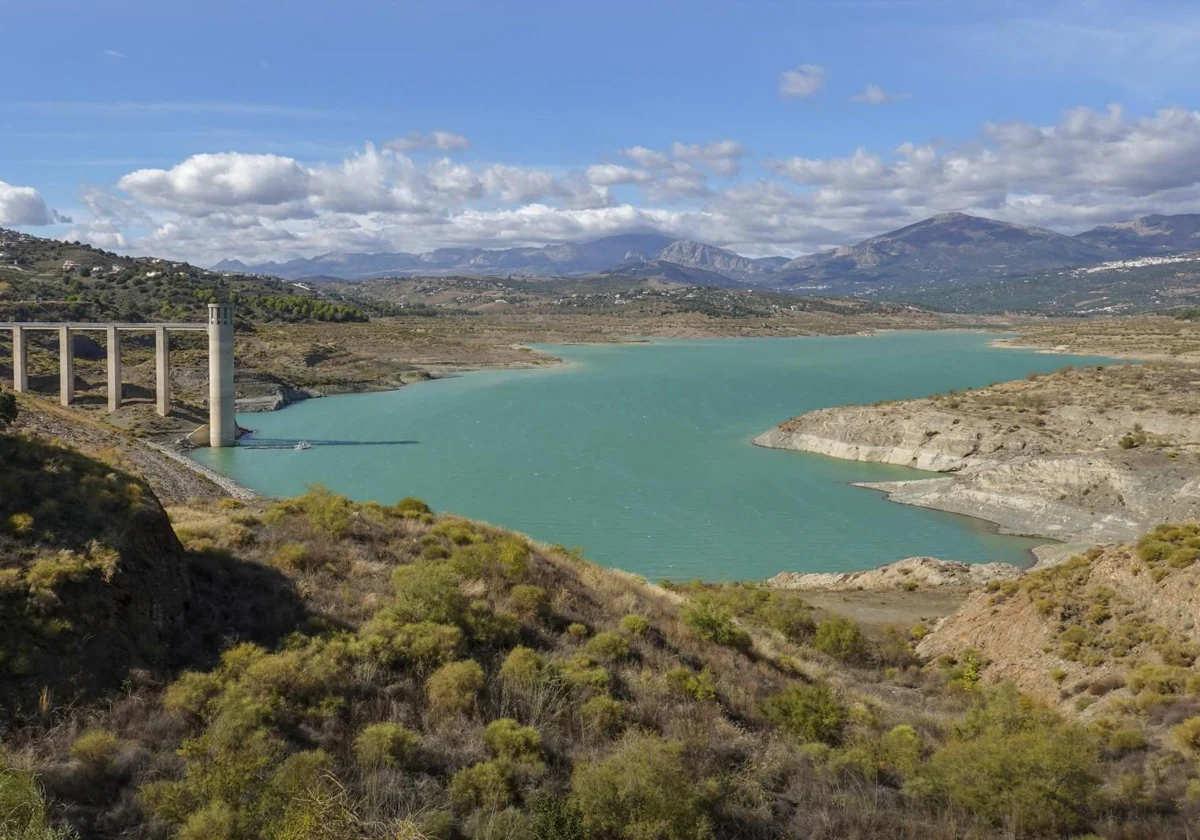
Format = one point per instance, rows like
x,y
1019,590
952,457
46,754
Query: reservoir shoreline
x,y
651,437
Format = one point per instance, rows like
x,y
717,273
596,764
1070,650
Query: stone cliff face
x,y
1073,457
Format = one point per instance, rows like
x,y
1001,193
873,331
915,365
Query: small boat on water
x,y
303,445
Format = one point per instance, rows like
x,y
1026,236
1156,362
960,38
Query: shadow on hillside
x,y
97,592
234,600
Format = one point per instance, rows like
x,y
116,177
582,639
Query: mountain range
x,y
951,248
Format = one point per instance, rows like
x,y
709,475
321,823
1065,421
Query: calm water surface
x,y
641,453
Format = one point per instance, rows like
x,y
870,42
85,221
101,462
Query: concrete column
x,y
66,366
222,427
162,370
20,361
114,368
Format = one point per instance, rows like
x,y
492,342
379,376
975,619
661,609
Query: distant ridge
x,y
1147,236
948,247
951,248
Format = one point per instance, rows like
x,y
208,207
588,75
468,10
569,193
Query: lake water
x,y
641,453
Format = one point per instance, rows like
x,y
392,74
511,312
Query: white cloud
x,y
206,182
25,206
646,157
514,184
722,156
611,174
803,82
415,140
113,54
1086,168
456,179
874,94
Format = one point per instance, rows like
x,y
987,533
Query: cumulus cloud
x,y
722,156
803,82
445,141
25,206
611,174
206,182
1089,167
875,95
646,157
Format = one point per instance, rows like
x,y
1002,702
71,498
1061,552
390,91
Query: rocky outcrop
x,y
1080,456
911,573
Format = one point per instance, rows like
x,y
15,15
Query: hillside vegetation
x,y
381,671
1110,636
45,279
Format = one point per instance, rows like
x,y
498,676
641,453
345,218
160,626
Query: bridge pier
x,y
113,341
20,361
222,426
162,371
66,366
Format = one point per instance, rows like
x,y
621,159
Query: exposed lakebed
x,y
641,453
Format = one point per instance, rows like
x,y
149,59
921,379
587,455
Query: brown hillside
x,y
1110,631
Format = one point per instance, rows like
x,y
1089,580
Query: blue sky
x,y
266,130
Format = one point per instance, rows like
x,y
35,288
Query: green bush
x,y
1162,679
841,638
581,670
556,818
1186,736
410,506
634,625
489,628
810,712
603,716
385,744
483,786
1033,782
428,591
577,630
215,821
326,510
22,810
529,602
895,755
608,647
457,531
642,790
709,621
453,688
294,557
789,615
507,739
701,686
522,666
423,644
20,524
320,812
96,748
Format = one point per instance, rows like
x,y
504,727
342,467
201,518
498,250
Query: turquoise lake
x,y
641,454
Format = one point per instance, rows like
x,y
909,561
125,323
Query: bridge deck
x,y
80,325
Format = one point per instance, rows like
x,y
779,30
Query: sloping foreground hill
x,y
1110,631
1110,636
384,672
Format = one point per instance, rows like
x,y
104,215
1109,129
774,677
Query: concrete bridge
x,y
222,429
